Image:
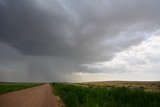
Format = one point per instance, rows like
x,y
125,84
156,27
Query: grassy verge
x,y
78,96
9,87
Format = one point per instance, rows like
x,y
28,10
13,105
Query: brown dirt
x,y
39,96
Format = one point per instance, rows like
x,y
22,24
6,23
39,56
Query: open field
x,y
153,86
94,95
88,94
9,87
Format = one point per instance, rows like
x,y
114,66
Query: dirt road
x,y
39,96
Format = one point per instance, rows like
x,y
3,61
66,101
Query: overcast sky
x,y
79,40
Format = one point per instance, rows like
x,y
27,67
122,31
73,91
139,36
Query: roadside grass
x,y
9,87
78,96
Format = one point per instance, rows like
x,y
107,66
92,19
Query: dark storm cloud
x,y
72,32
30,30
72,28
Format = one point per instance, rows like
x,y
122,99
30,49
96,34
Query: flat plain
x,y
150,86
6,87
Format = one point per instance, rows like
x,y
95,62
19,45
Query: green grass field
x,y
79,96
9,87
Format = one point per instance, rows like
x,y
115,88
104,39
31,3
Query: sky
x,y
79,40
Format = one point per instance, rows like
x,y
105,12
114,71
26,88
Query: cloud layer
x,y
140,62
48,40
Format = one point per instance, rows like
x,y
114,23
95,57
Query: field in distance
x,y
153,86
10,87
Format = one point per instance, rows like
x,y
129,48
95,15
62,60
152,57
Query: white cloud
x,y
141,62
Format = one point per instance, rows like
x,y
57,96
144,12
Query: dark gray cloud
x,y
67,34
